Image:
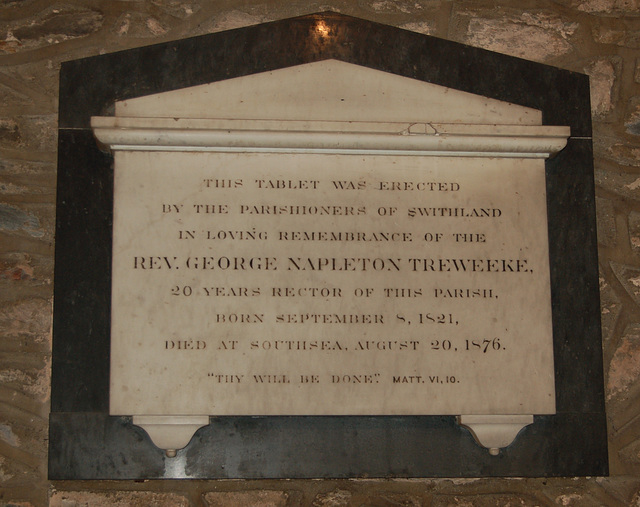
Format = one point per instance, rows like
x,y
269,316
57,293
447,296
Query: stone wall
x,y
598,37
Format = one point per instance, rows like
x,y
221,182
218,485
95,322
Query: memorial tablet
x,y
391,246
331,253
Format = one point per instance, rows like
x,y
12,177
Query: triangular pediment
x,y
329,90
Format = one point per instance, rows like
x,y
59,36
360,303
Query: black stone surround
x,y
87,443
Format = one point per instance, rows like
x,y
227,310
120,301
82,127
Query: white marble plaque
x,y
308,283
329,239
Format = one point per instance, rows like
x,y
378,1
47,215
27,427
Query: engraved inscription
x,y
269,284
